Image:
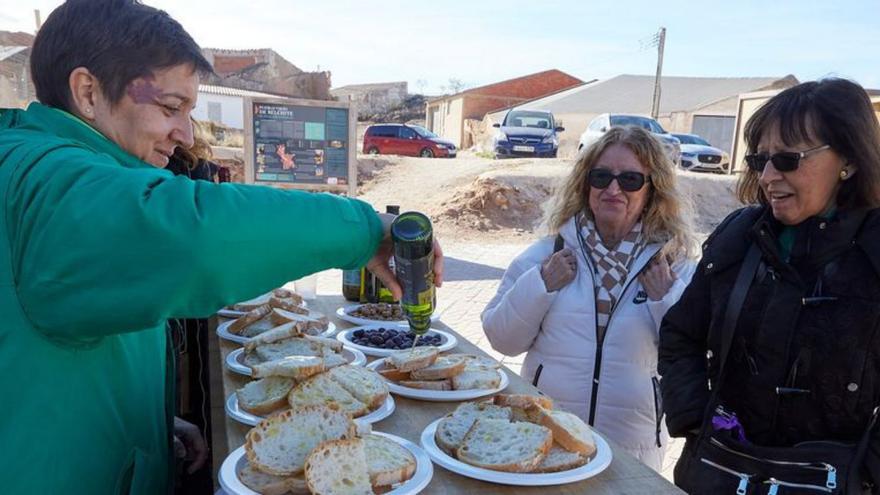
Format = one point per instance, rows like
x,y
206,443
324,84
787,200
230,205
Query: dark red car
x,y
407,140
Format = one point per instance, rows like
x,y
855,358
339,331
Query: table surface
x,y
624,475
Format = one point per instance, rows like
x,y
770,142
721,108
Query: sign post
x,y
301,144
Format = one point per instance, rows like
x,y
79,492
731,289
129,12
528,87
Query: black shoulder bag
x,y
719,465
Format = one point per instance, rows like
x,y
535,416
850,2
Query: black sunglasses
x,y
784,161
628,181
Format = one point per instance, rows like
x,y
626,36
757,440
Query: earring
x,y
88,110
844,174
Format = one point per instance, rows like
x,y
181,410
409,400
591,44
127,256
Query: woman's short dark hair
x,y
832,111
118,41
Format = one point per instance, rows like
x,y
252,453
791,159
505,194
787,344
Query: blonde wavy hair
x,y
666,218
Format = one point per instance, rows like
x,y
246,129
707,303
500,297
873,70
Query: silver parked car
x,y
698,155
602,123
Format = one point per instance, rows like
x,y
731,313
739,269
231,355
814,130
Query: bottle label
x,y
417,279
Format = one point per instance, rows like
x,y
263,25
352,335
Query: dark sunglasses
x,y
628,181
784,161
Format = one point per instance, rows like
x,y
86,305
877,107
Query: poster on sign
x,y
300,144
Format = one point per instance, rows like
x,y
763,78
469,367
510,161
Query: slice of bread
x,y
339,467
393,374
427,384
289,347
264,396
331,344
443,367
332,360
288,305
501,445
479,361
522,401
321,389
249,359
258,327
252,304
299,367
312,323
559,459
363,383
238,325
273,335
263,483
453,428
477,379
569,431
280,444
413,359
388,462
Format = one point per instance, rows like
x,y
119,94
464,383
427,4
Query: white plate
x,y
235,364
447,340
344,313
597,464
441,395
228,475
242,416
232,313
224,333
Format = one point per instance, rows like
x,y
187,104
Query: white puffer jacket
x,y
558,330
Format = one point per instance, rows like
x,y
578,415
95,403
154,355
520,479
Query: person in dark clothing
x,y
804,360
190,338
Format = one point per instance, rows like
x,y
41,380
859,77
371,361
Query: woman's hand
x,y
559,269
657,278
189,444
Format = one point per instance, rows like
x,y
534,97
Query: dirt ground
x,y
472,198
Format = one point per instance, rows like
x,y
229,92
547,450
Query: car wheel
x,y
373,151
426,153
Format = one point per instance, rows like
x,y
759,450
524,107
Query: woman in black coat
x,y
804,357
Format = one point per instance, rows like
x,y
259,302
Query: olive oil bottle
x,y
413,239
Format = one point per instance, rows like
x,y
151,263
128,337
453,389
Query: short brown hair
x,y
118,41
832,111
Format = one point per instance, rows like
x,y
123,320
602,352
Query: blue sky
x,y
484,41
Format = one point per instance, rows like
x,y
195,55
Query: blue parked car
x,y
531,133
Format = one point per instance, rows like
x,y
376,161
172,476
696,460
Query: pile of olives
x,y
389,338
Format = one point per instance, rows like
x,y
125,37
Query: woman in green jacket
x,y
99,246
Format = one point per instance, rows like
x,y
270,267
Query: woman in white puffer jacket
x,y
586,303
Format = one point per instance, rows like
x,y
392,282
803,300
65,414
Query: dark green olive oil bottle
x,y
413,239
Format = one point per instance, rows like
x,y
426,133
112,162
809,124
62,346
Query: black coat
x,y
809,325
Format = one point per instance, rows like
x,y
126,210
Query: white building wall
x,y
231,109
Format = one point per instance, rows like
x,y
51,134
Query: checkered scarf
x,y
612,267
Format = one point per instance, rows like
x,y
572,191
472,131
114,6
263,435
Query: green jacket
x,y
97,250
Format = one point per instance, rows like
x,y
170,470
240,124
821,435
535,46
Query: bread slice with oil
x,y
339,467
443,367
321,389
501,445
281,443
569,431
452,429
413,359
388,462
264,396
363,383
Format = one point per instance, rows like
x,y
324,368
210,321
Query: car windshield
x,y
643,122
521,118
422,131
689,139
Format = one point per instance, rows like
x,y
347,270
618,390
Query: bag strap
x,y
734,305
731,316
